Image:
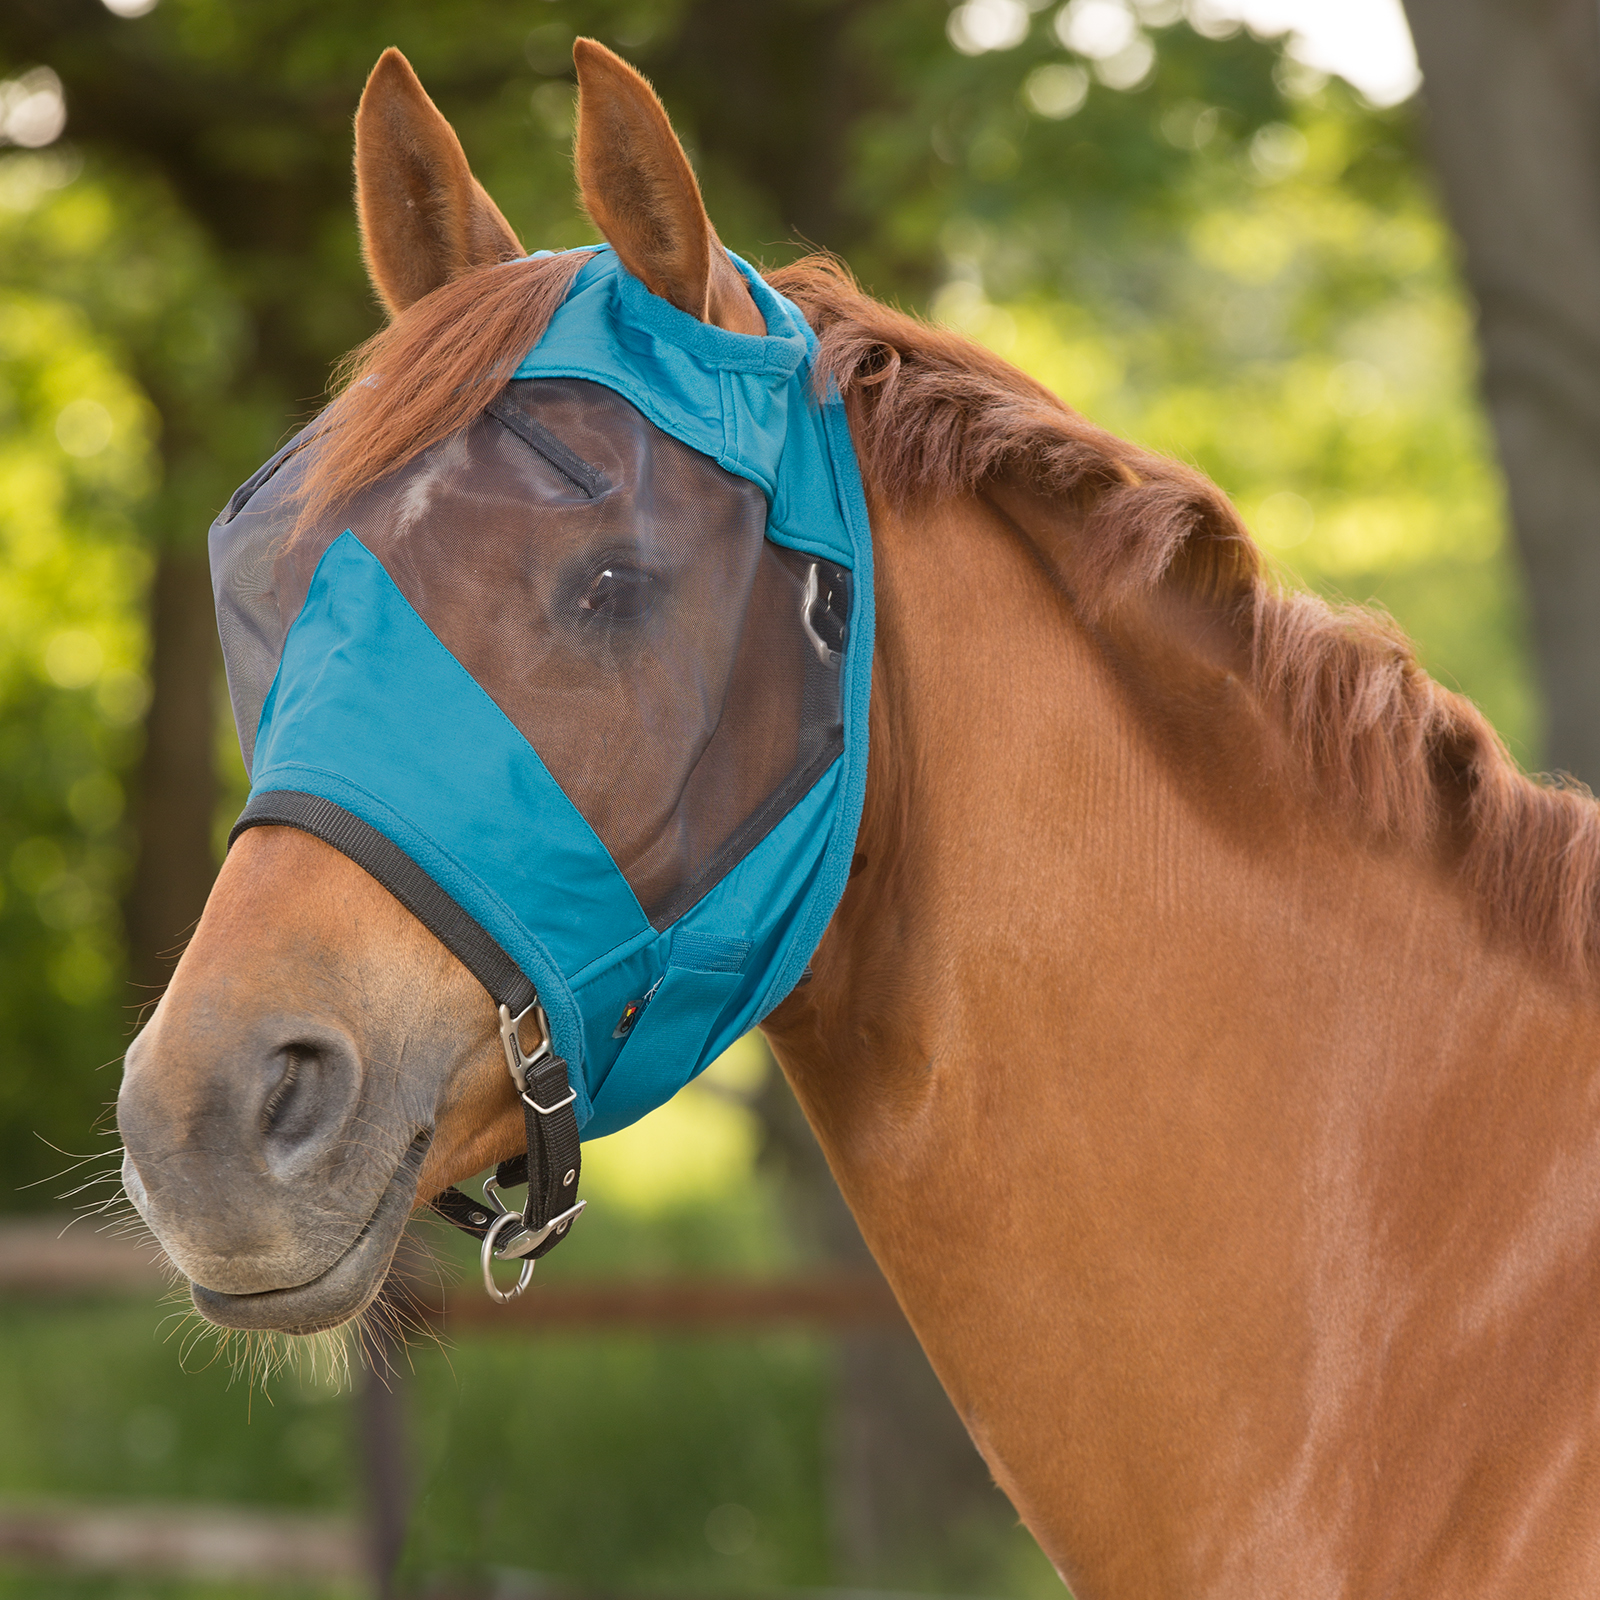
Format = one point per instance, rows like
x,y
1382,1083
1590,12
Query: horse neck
x,y
1240,1187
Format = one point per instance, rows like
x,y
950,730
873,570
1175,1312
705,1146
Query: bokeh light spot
x,y
33,110
1056,90
84,427
981,25
1284,520
1129,67
73,659
1098,29
1278,151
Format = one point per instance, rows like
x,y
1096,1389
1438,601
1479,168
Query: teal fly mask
x,y
585,685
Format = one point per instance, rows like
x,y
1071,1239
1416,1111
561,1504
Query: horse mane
x,y
934,415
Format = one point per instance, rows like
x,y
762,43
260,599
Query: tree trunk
x,y
1512,91
177,790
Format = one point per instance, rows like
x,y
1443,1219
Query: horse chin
x,y
344,1291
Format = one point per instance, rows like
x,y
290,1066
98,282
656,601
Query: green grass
x,y
595,1457
601,1459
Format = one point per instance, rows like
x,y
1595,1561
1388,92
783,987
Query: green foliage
x,y
75,465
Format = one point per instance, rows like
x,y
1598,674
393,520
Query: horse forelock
x,y
935,415
429,373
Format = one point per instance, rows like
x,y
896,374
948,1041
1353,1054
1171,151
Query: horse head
x,y
321,1061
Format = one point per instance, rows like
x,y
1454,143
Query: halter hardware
x,y
517,1061
488,1252
550,1167
520,1243
826,653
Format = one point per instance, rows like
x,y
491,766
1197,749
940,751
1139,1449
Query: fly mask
x,y
585,685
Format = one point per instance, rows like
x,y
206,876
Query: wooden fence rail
x,y
38,1258
203,1542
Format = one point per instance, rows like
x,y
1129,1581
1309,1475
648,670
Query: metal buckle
x,y
520,1244
517,1061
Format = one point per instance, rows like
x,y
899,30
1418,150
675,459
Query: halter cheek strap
x,y
553,1162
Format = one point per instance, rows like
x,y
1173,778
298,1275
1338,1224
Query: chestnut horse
x,y
1207,1041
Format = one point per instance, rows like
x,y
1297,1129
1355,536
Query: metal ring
x,y
486,1258
826,654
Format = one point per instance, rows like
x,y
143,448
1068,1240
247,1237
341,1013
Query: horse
x,y
1206,1042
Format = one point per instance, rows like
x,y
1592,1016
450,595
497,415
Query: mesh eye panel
x,y
614,593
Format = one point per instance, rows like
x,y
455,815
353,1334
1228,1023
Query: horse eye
x,y
622,593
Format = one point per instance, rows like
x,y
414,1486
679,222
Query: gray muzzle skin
x,y
275,1169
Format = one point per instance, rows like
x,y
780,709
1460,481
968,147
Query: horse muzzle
x,y
260,1169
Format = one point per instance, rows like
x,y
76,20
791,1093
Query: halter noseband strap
x,y
553,1161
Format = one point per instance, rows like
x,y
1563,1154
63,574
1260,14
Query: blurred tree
x,y
1303,337
74,455
1513,108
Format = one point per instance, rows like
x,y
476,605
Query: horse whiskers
x,y
399,1312
114,1176
119,1217
256,1357
394,1323
121,1220
74,1162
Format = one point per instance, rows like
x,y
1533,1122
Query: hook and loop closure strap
x,y
552,1164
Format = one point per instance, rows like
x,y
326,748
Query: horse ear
x,y
424,218
637,185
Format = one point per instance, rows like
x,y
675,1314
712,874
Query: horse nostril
x,y
308,1090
